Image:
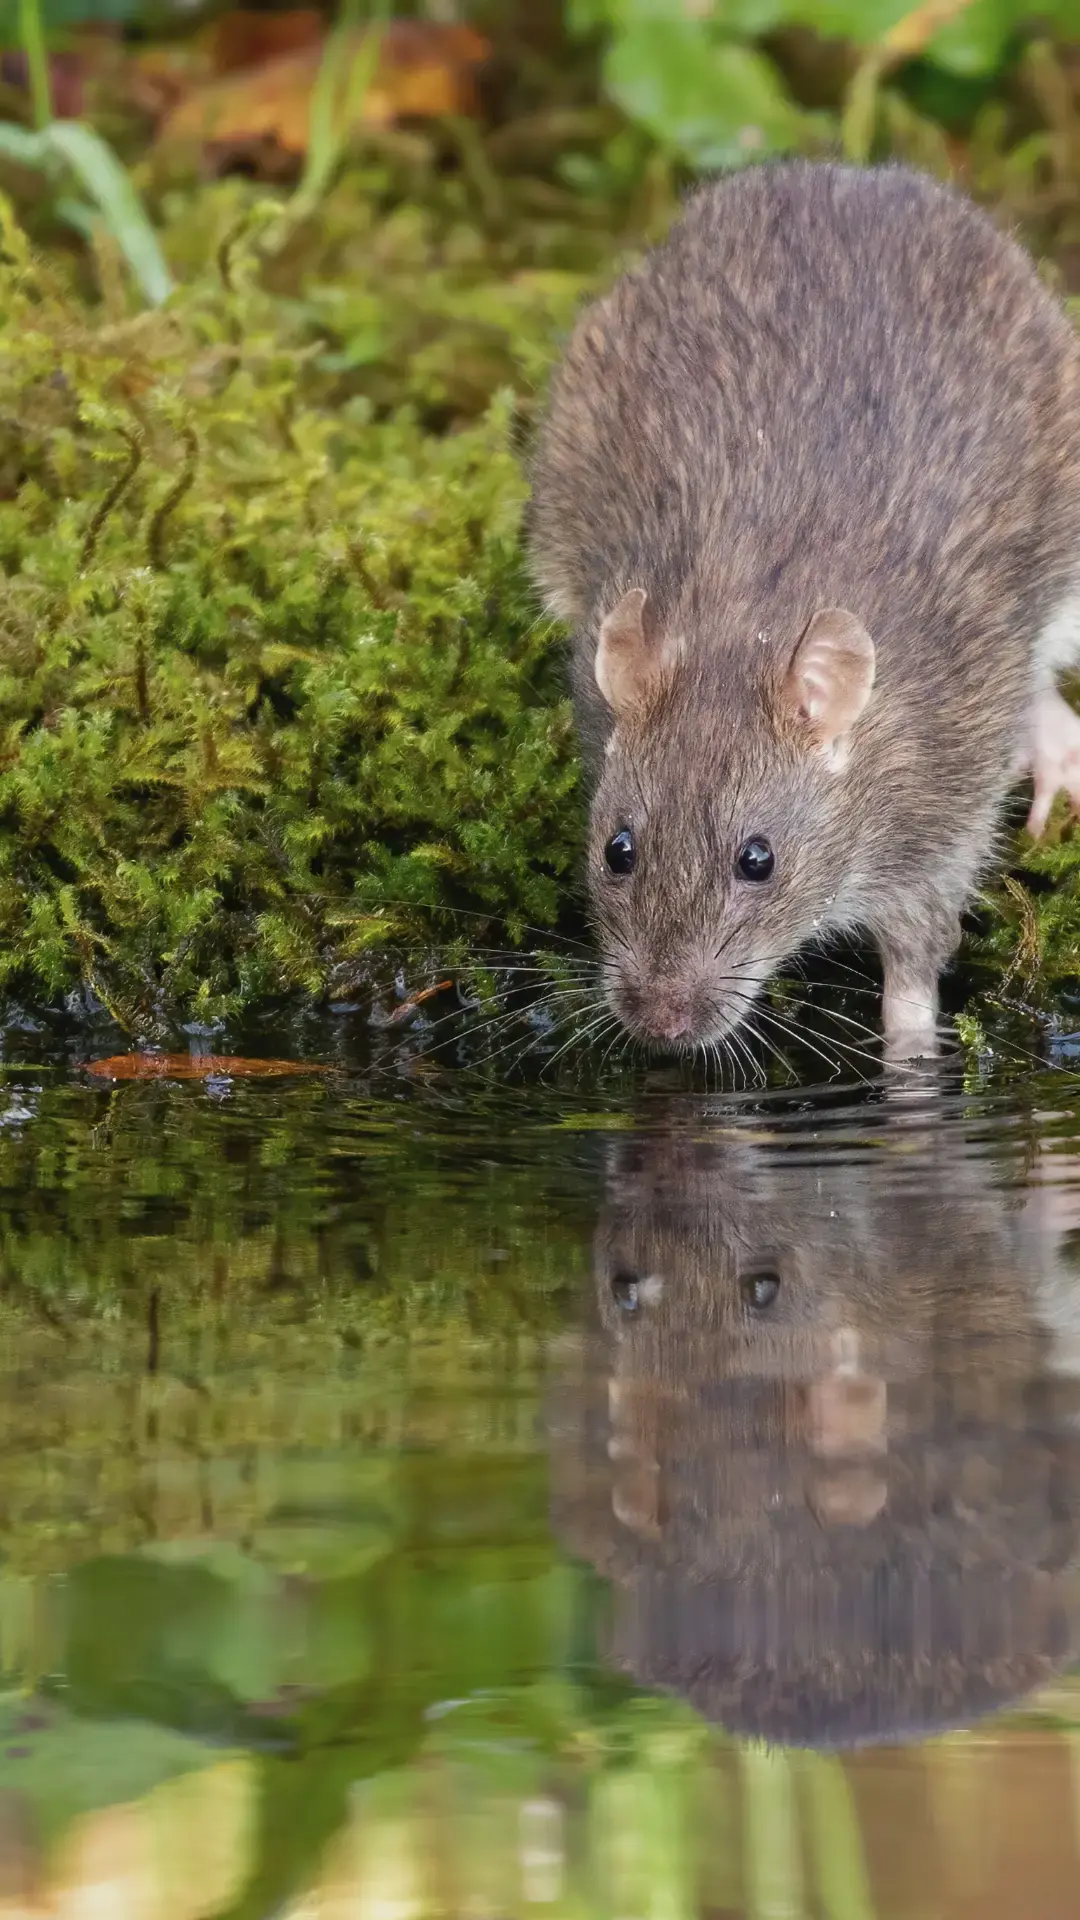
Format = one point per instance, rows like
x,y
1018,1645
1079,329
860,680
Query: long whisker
x,y
740,1046
474,913
531,1041
835,1065
777,1052
581,1037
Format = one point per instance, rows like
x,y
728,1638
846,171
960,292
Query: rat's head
x,y
719,833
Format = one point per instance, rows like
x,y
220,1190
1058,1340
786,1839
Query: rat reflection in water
x,y
822,1432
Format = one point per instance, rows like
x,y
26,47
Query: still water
x,y
418,1499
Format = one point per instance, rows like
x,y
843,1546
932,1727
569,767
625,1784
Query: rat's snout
x,y
666,1010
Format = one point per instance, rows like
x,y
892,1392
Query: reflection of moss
x,y
175,1296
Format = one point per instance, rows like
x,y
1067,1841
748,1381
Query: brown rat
x,y
808,491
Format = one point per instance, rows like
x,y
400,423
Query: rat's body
x,y
809,493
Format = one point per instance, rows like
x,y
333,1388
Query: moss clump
x,y
270,672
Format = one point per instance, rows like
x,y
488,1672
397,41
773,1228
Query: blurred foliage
x,y
273,691
710,78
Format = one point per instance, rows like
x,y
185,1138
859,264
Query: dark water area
x,y
425,1497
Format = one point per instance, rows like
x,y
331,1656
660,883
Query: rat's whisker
x,y
776,1052
482,1014
738,1043
618,1039
580,1038
794,1032
565,1017
859,1026
785,1028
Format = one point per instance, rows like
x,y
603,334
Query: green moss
x,y
270,671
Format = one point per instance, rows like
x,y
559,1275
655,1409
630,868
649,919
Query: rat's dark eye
x,y
620,852
756,861
759,1290
624,1291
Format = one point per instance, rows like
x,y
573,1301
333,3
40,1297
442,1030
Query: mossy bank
x,y
272,683
275,695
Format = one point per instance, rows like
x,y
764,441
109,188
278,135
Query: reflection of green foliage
x,y
158,1264
67,1765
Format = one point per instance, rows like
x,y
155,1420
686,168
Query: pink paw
x,y
1055,759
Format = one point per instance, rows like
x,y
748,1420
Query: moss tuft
x,y
271,678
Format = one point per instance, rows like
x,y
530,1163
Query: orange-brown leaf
x,y
188,1066
415,1000
244,38
424,70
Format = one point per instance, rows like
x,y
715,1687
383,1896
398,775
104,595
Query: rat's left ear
x,y
624,664
830,678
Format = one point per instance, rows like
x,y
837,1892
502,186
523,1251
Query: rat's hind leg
x,y
1053,757
1051,750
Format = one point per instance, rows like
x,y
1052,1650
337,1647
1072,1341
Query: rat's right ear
x,y
830,679
623,665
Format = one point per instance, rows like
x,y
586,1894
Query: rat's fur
x,y
827,388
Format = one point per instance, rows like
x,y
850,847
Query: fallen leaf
x,y
408,1007
424,70
188,1066
157,79
244,38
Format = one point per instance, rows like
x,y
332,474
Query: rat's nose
x,y
667,1012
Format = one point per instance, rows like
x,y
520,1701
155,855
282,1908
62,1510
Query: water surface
x,y
423,1499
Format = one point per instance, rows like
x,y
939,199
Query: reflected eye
x,y
620,852
759,1290
756,861
624,1291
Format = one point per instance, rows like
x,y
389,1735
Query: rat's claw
x,y
1055,759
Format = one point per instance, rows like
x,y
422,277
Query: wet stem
x,y
32,34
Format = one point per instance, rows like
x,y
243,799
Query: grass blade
x,y
32,35
19,144
104,179
334,105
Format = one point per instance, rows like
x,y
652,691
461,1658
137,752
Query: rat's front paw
x,y
909,1012
906,1047
1055,758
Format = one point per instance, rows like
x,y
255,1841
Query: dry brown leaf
x,y
409,1007
187,1066
424,70
243,38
